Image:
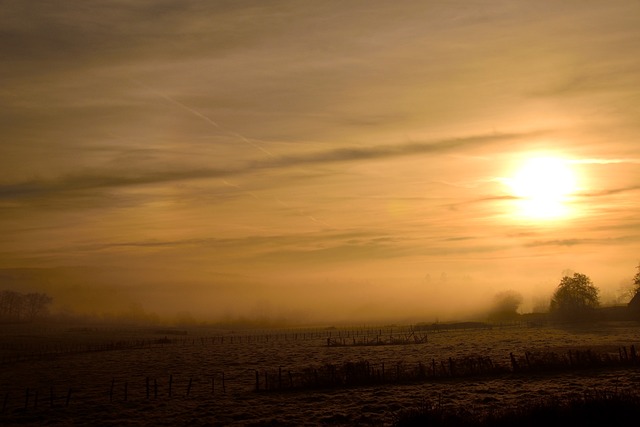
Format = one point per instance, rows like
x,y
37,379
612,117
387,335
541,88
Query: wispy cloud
x,y
113,179
266,138
604,161
609,192
614,241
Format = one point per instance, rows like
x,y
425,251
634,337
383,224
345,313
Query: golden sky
x,y
343,160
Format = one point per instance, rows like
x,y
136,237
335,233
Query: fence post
x,y
514,363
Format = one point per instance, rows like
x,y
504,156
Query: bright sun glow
x,y
543,186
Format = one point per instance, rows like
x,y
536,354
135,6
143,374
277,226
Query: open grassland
x,y
108,375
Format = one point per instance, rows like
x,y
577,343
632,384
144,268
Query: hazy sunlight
x,y
543,186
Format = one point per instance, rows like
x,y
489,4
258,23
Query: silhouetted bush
x,y
505,306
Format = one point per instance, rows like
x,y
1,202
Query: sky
x,y
316,161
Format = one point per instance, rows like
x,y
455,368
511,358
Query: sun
x,y
543,186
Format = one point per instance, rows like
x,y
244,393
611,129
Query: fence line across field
x,y
326,376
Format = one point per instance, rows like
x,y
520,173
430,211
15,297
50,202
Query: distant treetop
x,y
576,298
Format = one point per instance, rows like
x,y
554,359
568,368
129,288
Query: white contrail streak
x,y
203,117
228,132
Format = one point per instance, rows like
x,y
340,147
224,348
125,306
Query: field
x,y
117,375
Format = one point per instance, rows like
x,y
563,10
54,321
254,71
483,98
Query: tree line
x,y
575,298
19,307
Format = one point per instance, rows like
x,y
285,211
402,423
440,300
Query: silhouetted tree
x,y
36,305
576,298
634,303
16,306
505,306
11,305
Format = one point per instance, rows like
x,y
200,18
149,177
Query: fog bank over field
x,y
113,294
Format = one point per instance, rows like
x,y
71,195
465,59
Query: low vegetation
x,y
599,408
368,373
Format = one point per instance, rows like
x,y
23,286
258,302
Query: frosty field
x,y
108,375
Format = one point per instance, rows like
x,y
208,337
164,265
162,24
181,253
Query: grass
x,y
599,408
366,373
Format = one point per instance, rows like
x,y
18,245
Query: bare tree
x,y
16,306
36,305
11,305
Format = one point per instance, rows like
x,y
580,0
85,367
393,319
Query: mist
x,y
290,300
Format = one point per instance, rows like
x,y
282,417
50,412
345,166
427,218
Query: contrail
x,y
202,116
303,213
228,132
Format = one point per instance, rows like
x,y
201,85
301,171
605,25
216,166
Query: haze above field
x,y
342,161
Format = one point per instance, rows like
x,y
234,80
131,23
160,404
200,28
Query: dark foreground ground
x,y
70,375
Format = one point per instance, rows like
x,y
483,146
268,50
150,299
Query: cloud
x,y
262,139
610,192
615,241
603,161
90,180
480,200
